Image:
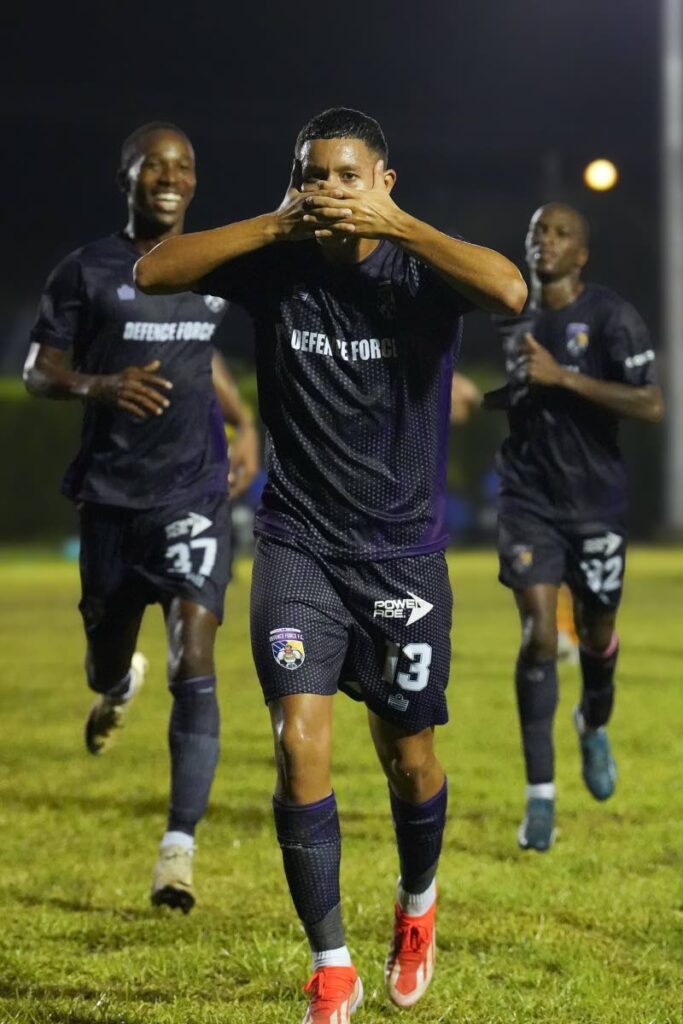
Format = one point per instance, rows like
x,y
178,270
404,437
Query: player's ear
x,y
582,257
122,181
382,178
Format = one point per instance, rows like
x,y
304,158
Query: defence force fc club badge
x,y
288,647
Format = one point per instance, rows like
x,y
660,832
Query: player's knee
x,y
189,659
597,636
407,767
301,752
539,637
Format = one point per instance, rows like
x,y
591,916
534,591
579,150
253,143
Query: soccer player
x,y
357,308
579,359
150,478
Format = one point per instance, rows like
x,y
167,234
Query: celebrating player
x,y
150,478
579,359
356,330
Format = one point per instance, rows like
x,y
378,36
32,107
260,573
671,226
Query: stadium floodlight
x,y
601,175
672,250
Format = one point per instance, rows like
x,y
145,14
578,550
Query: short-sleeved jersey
x,y
354,365
91,306
562,457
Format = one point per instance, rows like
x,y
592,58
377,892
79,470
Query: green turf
x,y
588,934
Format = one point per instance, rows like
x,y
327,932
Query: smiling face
x,y
160,181
556,243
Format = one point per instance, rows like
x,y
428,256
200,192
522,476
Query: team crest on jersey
x,y
522,557
386,302
288,647
577,339
126,292
214,302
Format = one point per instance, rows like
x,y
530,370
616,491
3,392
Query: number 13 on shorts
x,y
416,677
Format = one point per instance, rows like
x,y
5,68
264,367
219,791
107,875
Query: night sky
x,y
490,107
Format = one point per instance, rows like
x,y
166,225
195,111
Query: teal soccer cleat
x,y
597,764
537,831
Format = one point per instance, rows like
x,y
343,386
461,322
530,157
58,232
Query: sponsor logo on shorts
x,y
398,702
606,545
288,647
214,302
522,557
577,339
193,523
396,608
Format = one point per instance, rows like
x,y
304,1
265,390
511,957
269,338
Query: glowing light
x,y
601,175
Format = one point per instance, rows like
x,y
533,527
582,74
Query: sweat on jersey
x,y
90,305
354,366
562,457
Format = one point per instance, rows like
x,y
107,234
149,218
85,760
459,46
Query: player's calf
x,y
410,962
193,737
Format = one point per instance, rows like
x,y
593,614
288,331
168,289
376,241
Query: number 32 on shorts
x,y
417,676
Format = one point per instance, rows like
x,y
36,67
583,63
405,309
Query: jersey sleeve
x,y
629,354
433,292
62,306
242,281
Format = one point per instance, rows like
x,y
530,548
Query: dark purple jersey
x,y
562,457
354,367
90,305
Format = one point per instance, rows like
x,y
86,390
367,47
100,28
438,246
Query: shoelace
x,y
411,940
328,988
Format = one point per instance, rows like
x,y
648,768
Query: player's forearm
x,y
641,403
483,276
46,380
179,263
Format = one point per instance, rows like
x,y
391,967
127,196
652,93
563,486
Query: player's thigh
x,y
531,551
399,659
191,633
537,607
112,601
596,566
302,737
183,552
299,626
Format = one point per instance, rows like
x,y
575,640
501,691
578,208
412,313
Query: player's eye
x,y
349,176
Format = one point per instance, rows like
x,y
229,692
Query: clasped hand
x,y
329,212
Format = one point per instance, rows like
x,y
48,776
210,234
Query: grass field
x,y
588,934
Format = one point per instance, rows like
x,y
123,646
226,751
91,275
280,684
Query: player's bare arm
x,y
179,263
642,403
136,389
485,277
244,449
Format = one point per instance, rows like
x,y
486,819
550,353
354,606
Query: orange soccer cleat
x,y
336,992
410,963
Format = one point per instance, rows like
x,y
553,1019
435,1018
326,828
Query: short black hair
x,y
344,123
131,146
